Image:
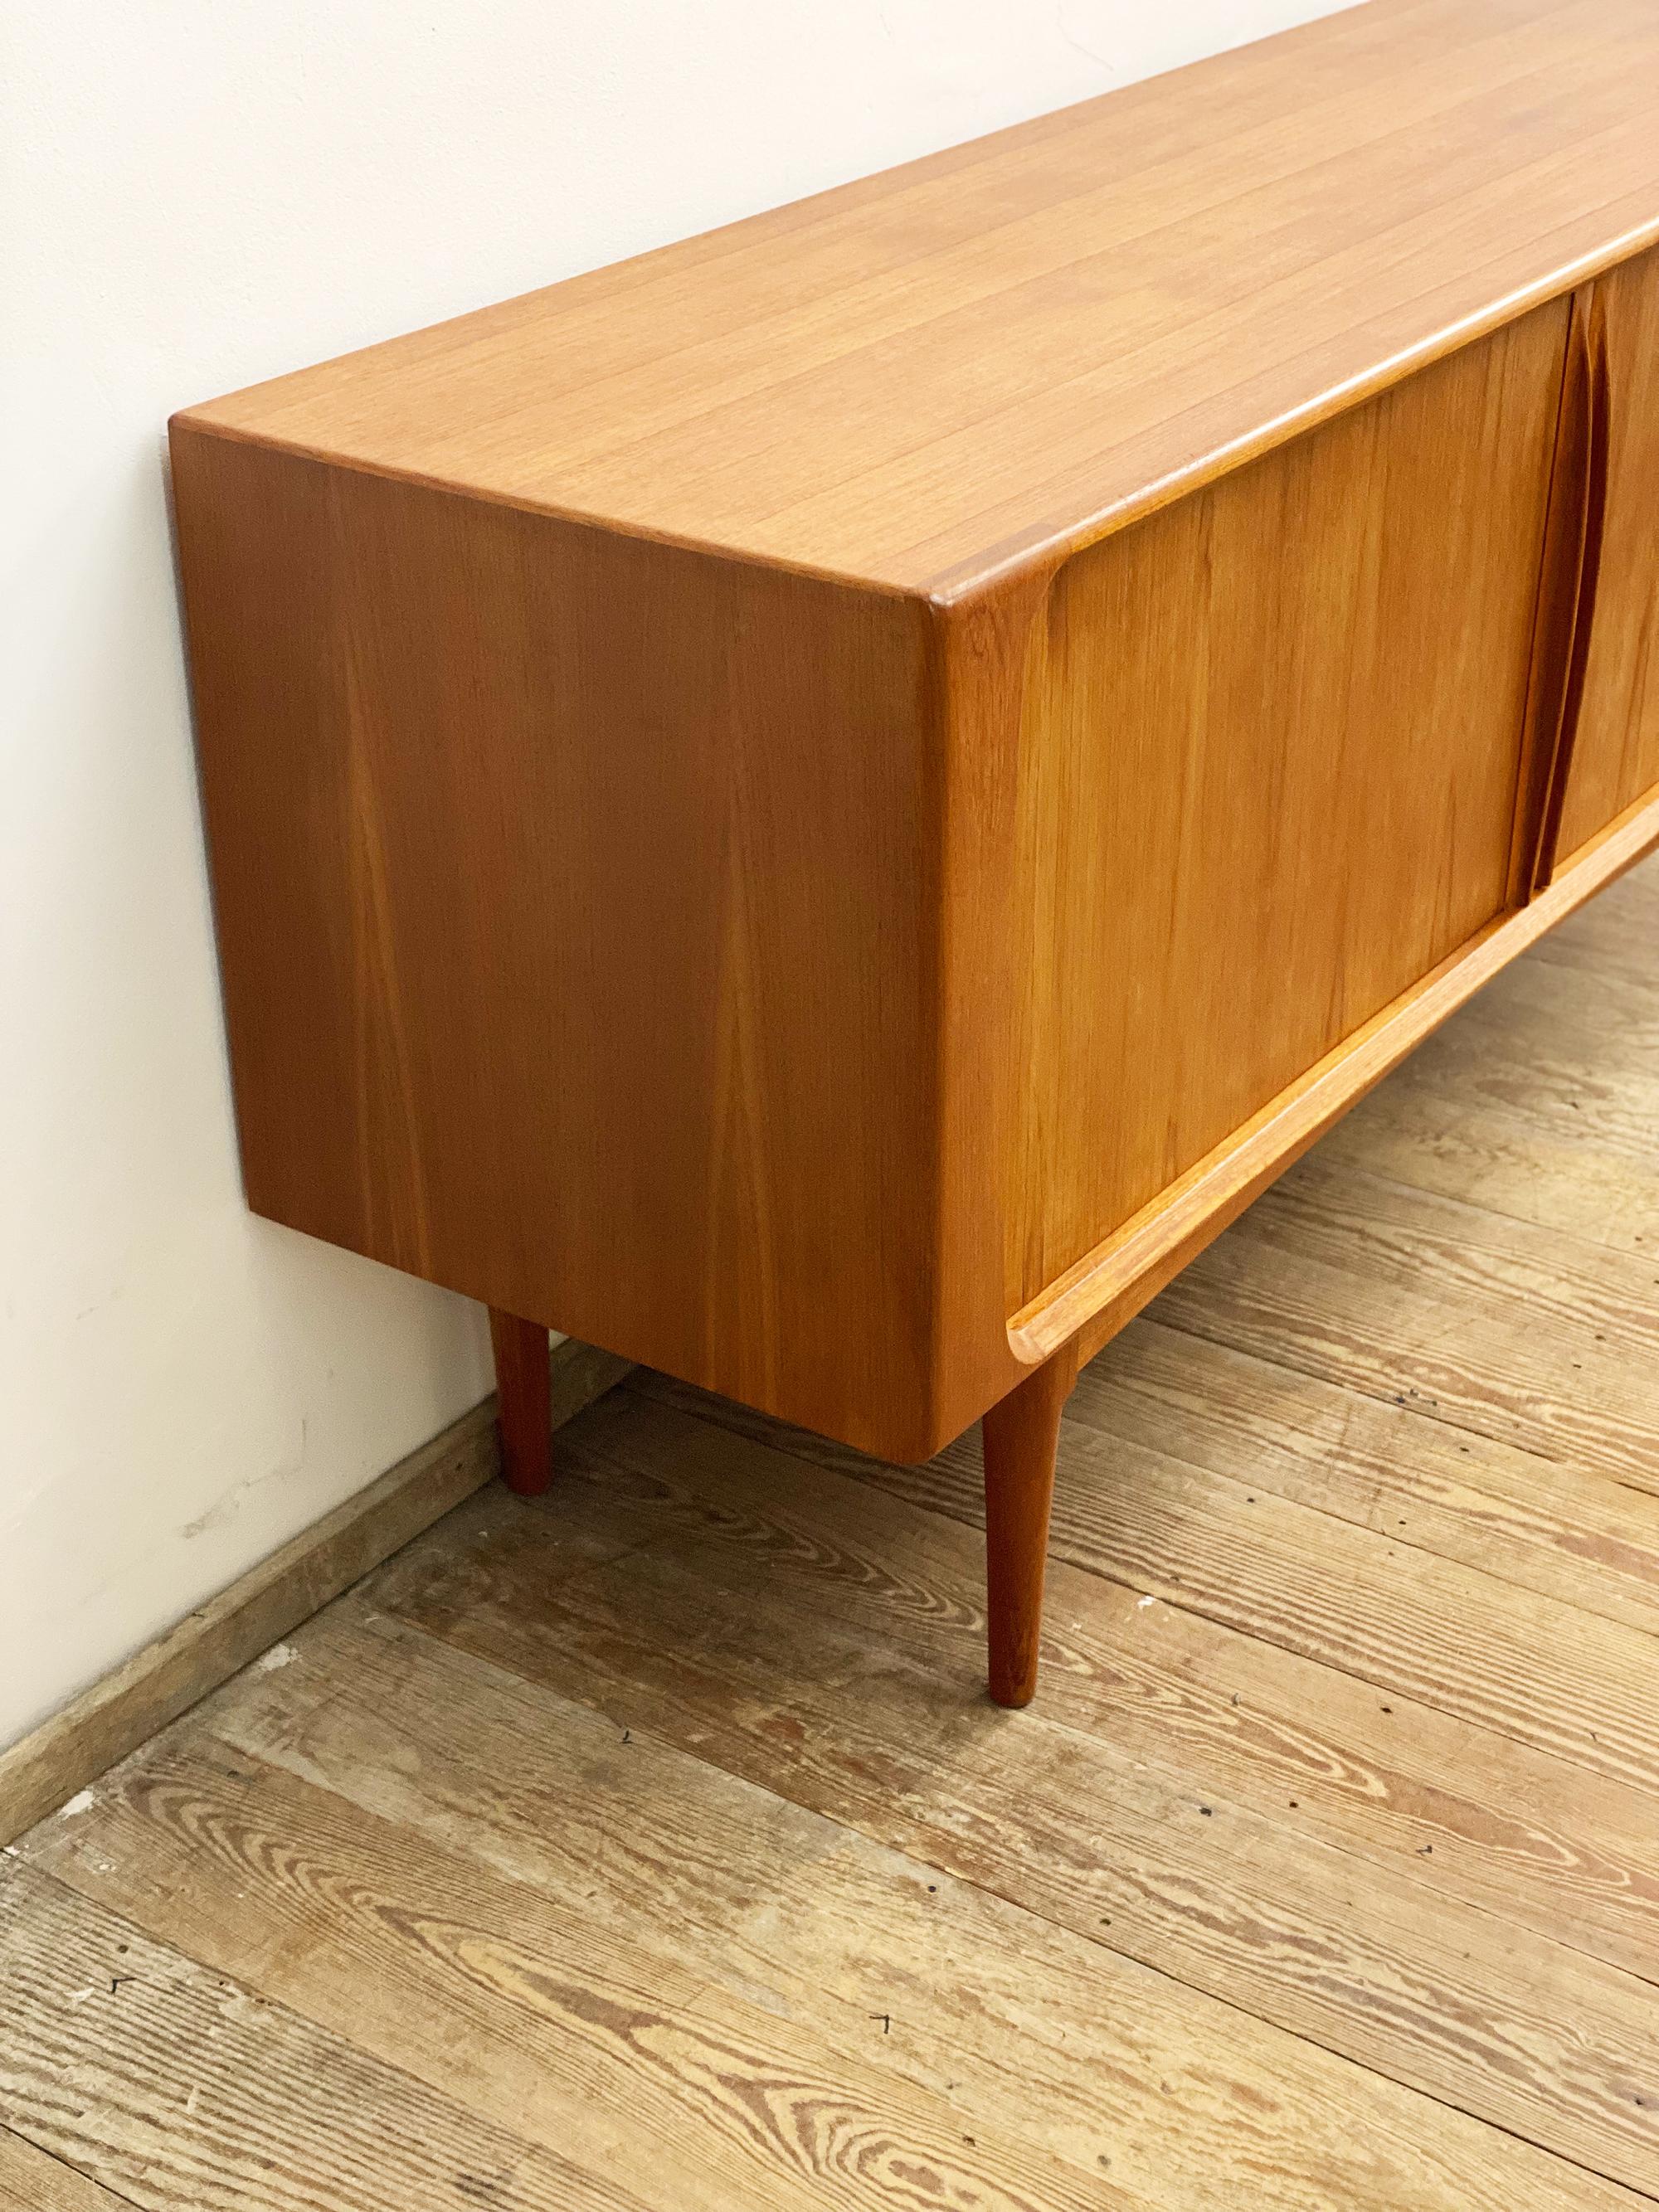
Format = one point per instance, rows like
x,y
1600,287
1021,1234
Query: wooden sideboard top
x,y
996,353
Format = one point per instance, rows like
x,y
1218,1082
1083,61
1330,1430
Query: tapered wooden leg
x,y
524,1389
1021,1437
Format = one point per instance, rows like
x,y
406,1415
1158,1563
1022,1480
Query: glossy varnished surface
x,y
576,901
924,376
653,1843
797,925
1265,785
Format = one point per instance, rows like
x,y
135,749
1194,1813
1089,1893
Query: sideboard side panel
x,y
1267,777
577,899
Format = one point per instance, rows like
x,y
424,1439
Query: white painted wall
x,y
194,195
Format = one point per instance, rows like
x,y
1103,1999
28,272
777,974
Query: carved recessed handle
x,y
1572,566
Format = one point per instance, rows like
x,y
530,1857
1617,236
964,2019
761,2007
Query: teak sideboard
x,y
822,807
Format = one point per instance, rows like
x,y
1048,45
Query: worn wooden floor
x,y
653,1846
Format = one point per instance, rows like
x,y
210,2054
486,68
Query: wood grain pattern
x,y
662,1829
1532,1158
175,2087
1176,2097
549,1014
1368,1960
32,2181
880,1949
1237,852
1613,939
422,1123
1114,1282
1389,1464
1616,759
997,350
1328,1269
612,2053
168,1676
1573,1048
821,809
1403,1755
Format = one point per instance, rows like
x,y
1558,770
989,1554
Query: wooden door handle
x,y
1587,412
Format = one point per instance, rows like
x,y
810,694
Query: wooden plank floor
x,y
652,1845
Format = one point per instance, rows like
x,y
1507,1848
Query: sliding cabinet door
x,y
1614,759
1269,760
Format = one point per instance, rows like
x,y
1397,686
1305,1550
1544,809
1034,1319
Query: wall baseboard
x,y
74,1747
